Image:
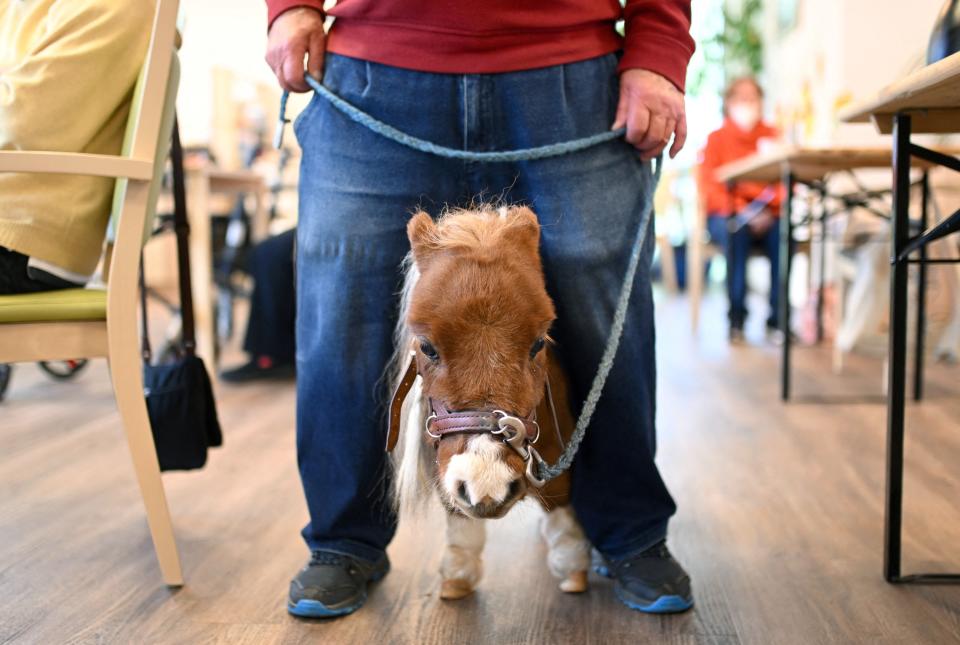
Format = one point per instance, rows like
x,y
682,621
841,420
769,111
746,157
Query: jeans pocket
x,y
301,125
348,78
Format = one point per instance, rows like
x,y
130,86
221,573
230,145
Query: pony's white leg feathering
x,y
462,566
568,550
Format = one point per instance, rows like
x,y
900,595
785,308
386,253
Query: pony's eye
x,y
537,347
429,350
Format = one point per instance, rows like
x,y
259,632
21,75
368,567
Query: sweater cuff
x,y
277,7
656,53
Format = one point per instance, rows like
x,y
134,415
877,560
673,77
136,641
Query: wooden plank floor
x,y
779,521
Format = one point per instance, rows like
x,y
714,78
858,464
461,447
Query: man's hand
x,y
762,223
295,34
653,110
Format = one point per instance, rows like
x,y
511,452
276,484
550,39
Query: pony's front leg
x,y
568,550
462,564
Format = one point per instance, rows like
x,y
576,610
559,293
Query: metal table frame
x,y
790,181
787,246
903,153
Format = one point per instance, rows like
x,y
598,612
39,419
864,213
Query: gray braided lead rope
x,y
545,471
359,116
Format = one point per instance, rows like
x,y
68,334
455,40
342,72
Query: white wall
x,y
841,51
217,33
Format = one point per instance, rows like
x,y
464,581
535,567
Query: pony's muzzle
x,y
487,507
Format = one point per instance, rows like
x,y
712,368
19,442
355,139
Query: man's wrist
x,y
276,8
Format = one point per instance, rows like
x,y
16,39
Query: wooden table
x,y
807,165
927,101
202,182
810,166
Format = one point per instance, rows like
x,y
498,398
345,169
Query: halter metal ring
x,y
426,426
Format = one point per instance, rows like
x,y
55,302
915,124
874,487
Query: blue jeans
x,y
357,191
736,248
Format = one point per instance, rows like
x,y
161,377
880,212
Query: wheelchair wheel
x,y
63,370
5,371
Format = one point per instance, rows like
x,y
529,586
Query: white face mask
x,y
745,115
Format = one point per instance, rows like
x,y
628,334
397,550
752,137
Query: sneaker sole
x,y
307,608
662,605
316,609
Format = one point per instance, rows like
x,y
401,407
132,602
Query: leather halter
x,y
442,422
517,432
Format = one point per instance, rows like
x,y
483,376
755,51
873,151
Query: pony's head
x,y
477,319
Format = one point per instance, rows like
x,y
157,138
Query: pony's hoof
x,y
456,589
576,582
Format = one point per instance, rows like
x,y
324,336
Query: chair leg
x,y
128,388
838,313
695,280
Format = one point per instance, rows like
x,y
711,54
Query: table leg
x,y
822,260
896,385
919,349
201,265
786,261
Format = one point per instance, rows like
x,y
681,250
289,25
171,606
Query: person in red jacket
x,y
479,76
745,214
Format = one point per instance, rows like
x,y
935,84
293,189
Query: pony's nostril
x,y
514,489
462,492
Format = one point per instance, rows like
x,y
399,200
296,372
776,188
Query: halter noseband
x,y
517,432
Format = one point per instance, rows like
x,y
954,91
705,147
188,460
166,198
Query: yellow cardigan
x,y
67,72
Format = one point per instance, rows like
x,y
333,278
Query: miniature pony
x,y
480,394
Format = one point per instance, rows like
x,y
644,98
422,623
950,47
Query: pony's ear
x,y
421,231
525,229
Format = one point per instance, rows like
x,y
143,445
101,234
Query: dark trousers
x,y
736,248
273,309
15,278
357,191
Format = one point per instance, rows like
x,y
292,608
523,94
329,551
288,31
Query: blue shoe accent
x,y
310,608
316,609
662,605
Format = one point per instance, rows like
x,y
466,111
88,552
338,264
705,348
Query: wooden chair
x,y
699,251
91,323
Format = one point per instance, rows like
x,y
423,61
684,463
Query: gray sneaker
x,y
333,584
651,581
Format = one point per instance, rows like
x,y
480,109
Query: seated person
x,y
270,329
757,204
67,74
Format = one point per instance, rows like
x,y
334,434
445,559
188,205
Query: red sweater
x,y
489,36
726,145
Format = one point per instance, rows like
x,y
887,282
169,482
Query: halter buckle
x,y
513,431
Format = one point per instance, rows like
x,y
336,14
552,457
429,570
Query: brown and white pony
x,y
474,320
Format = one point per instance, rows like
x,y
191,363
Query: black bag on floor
x,y
183,413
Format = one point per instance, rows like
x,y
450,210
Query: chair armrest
x,y
75,163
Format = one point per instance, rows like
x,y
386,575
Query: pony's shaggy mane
x,y
478,228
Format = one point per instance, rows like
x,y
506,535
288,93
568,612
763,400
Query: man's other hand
x,y
653,110
296,34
